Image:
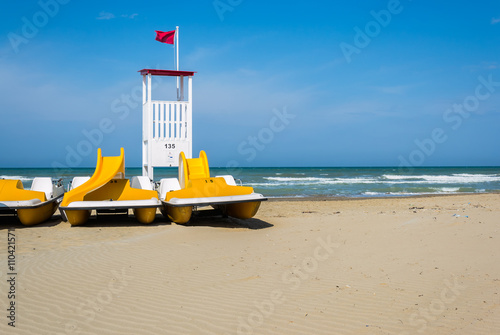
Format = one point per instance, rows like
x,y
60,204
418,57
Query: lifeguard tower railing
x,y
166,125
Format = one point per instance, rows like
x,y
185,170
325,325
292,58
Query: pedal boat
x,y
195,188
31,206
107,191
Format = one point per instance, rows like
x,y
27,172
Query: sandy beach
x,y
425,265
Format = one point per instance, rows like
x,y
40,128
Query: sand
x,y
428,265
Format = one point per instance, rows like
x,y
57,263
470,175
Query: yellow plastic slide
x,y
107,189
195,181
106,169
197,188
193,168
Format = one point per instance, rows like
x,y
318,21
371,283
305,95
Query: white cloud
x,y
484,65
131,16
495,20
109,16
105,16
491,65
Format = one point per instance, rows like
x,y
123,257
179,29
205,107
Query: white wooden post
x,y
149,130
144,123
181,97
189,117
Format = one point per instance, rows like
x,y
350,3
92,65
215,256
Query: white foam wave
x,y
447,189
435,184
21,178
369,193
356,180
462,178
438,190
398,177
262,184
382,194
321,181
477,175
287,179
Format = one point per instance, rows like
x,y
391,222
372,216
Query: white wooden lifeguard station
x,y
166,125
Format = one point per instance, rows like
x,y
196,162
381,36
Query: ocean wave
x,y
389,194
437,190
460,178
21,178
287,179
262,184
457,179
447,189
320,181
399,177
466,175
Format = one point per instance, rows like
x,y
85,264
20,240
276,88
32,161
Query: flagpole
x,y
177,58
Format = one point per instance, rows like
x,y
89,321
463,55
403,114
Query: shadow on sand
x,y
203,218
199,219
11,221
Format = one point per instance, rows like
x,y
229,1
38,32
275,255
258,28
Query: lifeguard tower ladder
x,y
166,125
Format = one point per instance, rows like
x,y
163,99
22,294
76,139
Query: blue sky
x,y
367,83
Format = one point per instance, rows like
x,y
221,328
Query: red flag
x,y
165,36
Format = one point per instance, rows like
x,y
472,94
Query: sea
x,y
293,182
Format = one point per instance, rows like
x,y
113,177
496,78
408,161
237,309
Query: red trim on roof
x,y
171,73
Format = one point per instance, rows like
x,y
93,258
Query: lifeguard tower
x,y
166,125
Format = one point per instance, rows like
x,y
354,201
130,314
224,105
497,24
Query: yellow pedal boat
x,y
31,206
195,187
108,191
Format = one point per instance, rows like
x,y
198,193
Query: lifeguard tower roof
x,y
171,73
